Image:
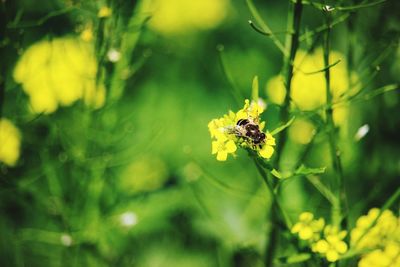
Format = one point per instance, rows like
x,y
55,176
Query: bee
x,y
249,131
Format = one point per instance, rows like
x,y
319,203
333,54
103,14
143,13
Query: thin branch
x,y
292,43
341,207
264,26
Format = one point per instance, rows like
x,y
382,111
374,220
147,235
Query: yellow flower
x,y
332,246
308,91
301,131
222,147
218,127
87,34
226,132
171,17
10,142
389,256
268,148
386,228
381,235
252,110
145,174
104,12
328,244
307,228
59,72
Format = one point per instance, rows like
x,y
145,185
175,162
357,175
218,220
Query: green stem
x,y
3,33
291,45
339,208
274,214
287,222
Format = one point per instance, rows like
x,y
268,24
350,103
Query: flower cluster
x,y
10,142
379,233
243,129
306,79
388,256
307,228
327,240
331,246
59,72
173,17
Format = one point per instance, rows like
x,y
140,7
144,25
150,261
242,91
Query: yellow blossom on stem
x,y
176,17
268,149
222,147
379,233
242,128
307,228
369,235
58,72
10,142
104,12
324,240
389,256
332,245
87,34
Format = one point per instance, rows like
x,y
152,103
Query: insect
x,y
250,131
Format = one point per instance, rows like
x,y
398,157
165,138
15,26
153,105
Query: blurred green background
x,y
133,183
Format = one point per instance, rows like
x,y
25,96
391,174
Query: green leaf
x,y
303,170
302,257
324,69
281,175
277,174
254,89
264,26
342,8
282,127
355,7
382,90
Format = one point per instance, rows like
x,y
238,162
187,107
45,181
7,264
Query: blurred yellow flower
x,y
381,235
301,131
326,240
87,34
104,12
332,245
172,17
10,142
58,72
389,256
367,235
307,228
308,89
148,173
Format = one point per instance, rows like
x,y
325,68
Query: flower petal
x,y
222,155
266,151
341,247
214,147
332,255
321,246
270,140
306,233
230,146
